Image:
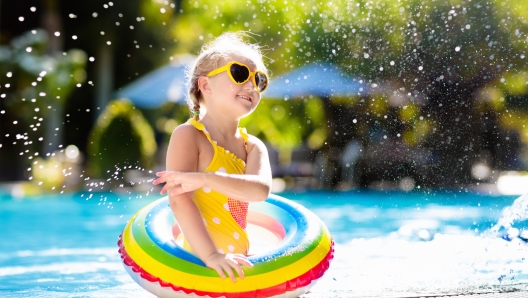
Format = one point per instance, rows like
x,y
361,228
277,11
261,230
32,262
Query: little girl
x,y
214,168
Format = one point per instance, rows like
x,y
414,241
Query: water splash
x,y
128,183
514,221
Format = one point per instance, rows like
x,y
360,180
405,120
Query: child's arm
x,y
182,155
253,186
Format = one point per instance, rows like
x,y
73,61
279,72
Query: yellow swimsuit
x,y
224,218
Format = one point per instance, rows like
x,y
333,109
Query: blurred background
x,y
389,94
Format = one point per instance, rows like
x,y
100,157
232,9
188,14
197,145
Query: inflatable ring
x,y
301,255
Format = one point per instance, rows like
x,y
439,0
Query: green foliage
x,y
365,36
166,118
121,137
285,124
137,30
36,85
50,78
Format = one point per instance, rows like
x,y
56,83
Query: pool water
x,y
387,244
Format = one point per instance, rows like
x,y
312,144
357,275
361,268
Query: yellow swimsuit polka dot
x,y
224,218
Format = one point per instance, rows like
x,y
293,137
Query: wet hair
x,y
211,54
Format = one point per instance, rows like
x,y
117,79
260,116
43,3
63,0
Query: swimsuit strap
x,y
244,134
199,125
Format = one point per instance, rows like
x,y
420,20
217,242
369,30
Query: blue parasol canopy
x,y
159,86
315,79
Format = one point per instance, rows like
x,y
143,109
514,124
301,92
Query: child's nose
x,y
249,84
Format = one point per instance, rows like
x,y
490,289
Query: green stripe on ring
x,y
153,250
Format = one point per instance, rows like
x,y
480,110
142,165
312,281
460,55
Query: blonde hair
x,y
224,46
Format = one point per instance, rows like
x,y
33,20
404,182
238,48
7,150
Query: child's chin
x,y
246,107
248,112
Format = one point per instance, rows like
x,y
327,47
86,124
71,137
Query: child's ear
x,y
203,84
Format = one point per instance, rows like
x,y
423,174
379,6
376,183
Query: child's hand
x,y
177,183
226,263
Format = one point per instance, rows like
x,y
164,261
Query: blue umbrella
x,y
315,79
159,86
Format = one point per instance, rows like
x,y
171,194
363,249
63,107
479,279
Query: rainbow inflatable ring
x,y
301,253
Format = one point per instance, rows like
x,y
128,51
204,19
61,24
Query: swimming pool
x,y
387,244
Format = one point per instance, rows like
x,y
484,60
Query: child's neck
x,y
220,125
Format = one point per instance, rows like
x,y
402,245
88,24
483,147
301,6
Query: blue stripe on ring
x,y
297,221
159,216
296,226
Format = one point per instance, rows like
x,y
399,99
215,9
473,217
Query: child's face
x,y
234,98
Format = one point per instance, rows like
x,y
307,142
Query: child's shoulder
x,y
254,142
185,131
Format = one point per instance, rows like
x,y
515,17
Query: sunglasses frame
x,y
227,68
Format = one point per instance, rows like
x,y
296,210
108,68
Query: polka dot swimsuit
x,y
224,218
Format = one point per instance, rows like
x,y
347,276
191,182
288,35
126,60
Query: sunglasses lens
x,y
239,73
261,80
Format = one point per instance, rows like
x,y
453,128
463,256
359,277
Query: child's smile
x,y
246,97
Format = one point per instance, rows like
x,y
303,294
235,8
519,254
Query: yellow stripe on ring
x,y
216,284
